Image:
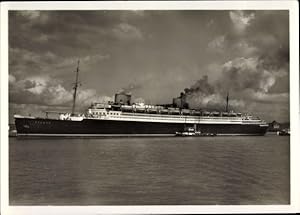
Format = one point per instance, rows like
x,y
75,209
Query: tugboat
x,y
193,132
187,132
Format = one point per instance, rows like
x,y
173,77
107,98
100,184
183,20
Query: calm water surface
x,y
150,171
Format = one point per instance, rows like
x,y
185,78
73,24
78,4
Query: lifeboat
x,y
126,108
216,113
164,111
185,112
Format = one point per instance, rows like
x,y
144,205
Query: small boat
x,y
186,132
284,132
192,132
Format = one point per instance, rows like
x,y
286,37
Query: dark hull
x,y
90,127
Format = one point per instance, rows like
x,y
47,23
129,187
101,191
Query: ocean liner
x,y
121,117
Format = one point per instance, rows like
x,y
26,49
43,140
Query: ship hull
x,y
92,127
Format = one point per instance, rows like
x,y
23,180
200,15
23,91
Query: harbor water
x,y
150,171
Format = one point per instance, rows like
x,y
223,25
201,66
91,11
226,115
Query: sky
x,y
155,55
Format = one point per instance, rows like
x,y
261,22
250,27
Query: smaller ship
x,y
188,132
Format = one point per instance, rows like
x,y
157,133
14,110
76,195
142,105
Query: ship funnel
x,y
180,102
122,98
227,98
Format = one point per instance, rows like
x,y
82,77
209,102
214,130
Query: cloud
x,y
130,88
24,63
210,22
132,15
139,13
257,66
237,45
22,59
125,31
46,91
89,59
36,85
30,14
61,32
243,48
11,78
217,44
242,73
95,58
254,34
270,98
34,16
38,90
246,81
88,96
43,38
241,20
25,56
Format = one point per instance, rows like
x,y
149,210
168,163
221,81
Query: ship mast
x,y
76,84
227,98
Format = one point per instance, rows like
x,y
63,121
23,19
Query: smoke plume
x,y
130,88
245,79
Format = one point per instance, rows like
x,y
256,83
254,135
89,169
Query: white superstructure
x,y
143,113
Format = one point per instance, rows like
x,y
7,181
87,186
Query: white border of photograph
x,y
292,6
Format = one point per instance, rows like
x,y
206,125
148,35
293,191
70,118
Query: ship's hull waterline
x,y
91,127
